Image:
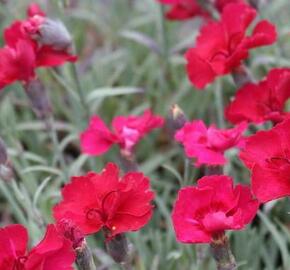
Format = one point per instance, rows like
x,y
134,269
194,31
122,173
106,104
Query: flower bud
x,y
176,119
38,97
120,249
55,34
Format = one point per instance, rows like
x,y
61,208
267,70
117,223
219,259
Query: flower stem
x,y
219,105
80,91
221,251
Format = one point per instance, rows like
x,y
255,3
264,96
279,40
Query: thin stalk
x,y
221,251
80,91
17,210
219,105
57,153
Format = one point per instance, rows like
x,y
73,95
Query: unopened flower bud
x,y
84,258
176,119
6,170
120,249
242,76
55,34
38,97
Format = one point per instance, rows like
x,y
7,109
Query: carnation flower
x,y
53,252
207,145
207,210
106,200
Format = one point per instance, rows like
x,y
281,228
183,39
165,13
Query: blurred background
x,y
130,59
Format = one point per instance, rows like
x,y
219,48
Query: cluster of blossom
x,y
201,213
118,204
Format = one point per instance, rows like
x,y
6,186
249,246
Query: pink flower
x,y
207,145
53,252
267,155
127,132
213,206
218,54
106,200
184,9
32,43
263,101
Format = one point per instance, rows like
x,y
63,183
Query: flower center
x,y
19,263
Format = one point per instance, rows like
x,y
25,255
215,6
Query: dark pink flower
x,y
207,145
218,54
213,206
267,155
263,101
127,132
53,252
106,200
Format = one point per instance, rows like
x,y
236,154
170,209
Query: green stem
x,y
17,210
80,91
219,105
221,251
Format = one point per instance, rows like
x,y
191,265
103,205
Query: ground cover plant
x,y
146,134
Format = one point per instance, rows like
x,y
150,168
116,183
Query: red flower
x,y
184,9
53,252
105,200
267,155
207,145
218,54
127,132
25,50
263,101
221,4
210,208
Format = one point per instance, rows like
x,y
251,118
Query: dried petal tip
x,y
71,232
176,119
6,170
38,97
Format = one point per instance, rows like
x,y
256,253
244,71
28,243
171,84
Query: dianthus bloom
x,y
207,145
127,132
205,211
95,201
219,54
53,252
267,155
184,9
31,43
263,101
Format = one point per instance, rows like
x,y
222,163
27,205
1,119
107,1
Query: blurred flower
x,y
25,50
218,54
207,145
267,155
187,9
263,101
53,252
105,200
205,211
127,132
184,9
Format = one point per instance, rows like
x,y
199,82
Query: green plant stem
x,y
221,251
219,104
57,153
80,91
17,210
